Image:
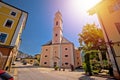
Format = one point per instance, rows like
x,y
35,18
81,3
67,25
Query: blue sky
x,y
39,25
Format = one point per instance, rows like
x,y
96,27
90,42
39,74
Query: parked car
x,y
5,76
13,63
24,63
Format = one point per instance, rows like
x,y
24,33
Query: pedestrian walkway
x,y
13,72
77,73
42,73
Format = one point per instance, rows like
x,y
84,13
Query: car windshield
x,y
5,76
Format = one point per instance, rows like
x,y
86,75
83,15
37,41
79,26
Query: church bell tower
x,y
57,29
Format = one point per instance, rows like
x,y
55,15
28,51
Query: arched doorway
x,y
56,61
55,64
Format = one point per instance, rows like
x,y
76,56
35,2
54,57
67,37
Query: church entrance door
x,y
55,64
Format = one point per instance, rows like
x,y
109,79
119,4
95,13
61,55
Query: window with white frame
x,y
13,13
3,37
8,23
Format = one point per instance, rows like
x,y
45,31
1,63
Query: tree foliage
x,y
92,36
91,41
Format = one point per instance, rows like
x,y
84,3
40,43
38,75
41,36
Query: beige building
x,y
108,12
29,60
78,58
59,51
37,56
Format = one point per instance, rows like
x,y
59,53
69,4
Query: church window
x,y
46,49
57,23
56,34
45,55
66,55
66,63
45,62
66,48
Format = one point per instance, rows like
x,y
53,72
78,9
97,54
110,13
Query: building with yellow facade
x,y
108,12
12,23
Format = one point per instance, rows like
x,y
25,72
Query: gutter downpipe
x,y
109,45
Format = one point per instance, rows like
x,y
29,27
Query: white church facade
x,y
59,51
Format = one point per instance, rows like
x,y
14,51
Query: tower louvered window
x,y
57,23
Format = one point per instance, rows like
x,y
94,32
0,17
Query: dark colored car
x,y
5,76
24,63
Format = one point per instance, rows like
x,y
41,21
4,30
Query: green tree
x,y
92,42
91,34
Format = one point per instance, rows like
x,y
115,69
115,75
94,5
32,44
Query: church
x,y
59,51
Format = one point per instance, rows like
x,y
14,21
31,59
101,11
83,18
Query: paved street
x,y
28,72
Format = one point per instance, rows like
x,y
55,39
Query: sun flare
x,y
83,4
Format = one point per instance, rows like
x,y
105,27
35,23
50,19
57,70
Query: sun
x,y
87,4
83,4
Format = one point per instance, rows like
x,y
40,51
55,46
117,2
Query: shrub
x,y
56,67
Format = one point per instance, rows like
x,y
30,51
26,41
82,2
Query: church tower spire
x,y
57,29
